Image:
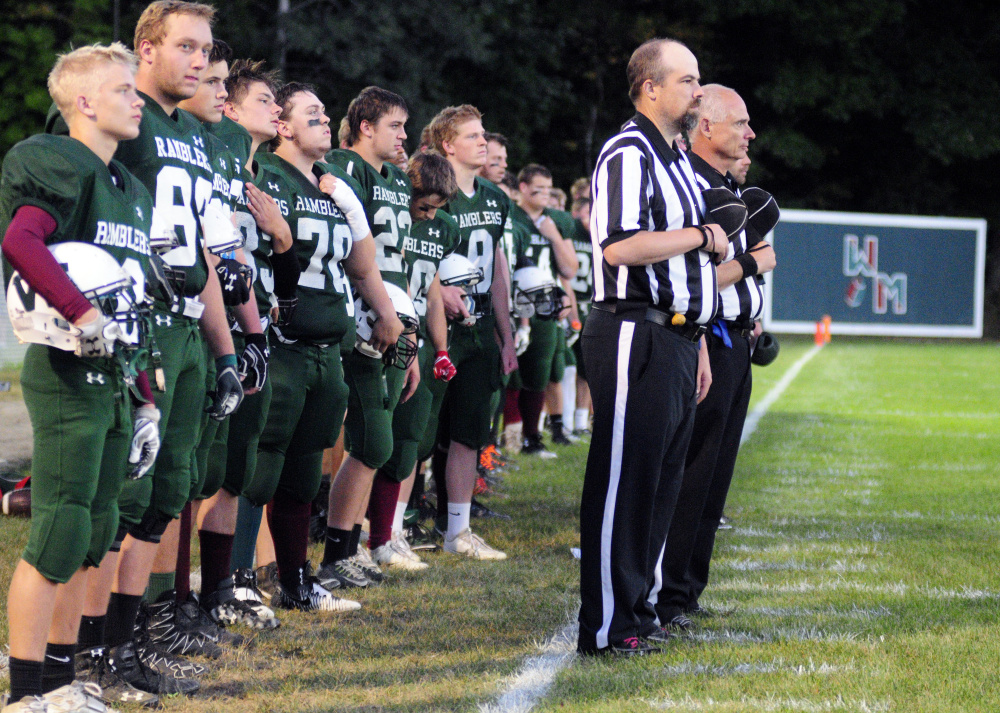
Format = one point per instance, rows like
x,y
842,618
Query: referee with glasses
x,y
654,292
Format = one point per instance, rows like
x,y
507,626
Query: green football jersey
x,y
483,221
91,203
235,137
256,243
227,169
583,282
170,158
537,248
386,198
429,242
323,239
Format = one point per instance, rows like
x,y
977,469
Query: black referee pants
x,y
642,379
711,459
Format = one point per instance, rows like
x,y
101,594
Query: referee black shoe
x,y
632,646
680,624
660,637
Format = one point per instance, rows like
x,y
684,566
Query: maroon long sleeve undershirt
x,y
25,249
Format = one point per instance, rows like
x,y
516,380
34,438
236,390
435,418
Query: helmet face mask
x,y
458,271
536,294
401,354
105,284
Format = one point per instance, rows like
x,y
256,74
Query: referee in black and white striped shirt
x,y
654,290
719,143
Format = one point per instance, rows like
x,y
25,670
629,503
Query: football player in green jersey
x,y
376,119
557,395
309,394
208,105
582,286
434,235
173,41
480,352
551,252
250,108
55,190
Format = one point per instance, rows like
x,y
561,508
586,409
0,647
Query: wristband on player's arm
x,y
286,273
225,360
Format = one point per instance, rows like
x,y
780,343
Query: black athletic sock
x,y
59,667
91,632
338,543
439,463
25,678
555,424
352,548
122,612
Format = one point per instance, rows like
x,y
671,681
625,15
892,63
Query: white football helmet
x,y
102,281
405,351
458,271
221,235
536,294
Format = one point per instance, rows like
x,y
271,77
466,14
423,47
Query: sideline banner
x,y
888,275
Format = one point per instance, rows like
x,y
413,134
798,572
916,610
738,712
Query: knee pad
x,y
151,527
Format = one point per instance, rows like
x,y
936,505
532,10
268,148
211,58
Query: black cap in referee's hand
x,y
722,206
762,208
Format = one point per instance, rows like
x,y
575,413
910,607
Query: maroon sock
x,y
183,578
216,554
382,510
289,522
511,411
531,403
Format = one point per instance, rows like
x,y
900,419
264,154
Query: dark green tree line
x,y
884,106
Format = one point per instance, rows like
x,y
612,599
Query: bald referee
x,y
654,290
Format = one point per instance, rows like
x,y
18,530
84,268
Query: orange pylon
x,y
826,328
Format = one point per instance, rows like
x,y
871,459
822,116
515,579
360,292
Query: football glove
x,y
444,370
145,441
522,337
97,338
252,366
228,393
235,279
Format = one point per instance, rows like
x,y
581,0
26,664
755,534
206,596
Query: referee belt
x,y
690,331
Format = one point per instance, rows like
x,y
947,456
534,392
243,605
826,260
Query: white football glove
x,y
97,338
522,337
145,441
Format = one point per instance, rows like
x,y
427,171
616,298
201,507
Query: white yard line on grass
x,y
753,418
529,685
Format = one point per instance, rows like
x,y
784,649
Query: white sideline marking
x,y
535,678
773,703
753,418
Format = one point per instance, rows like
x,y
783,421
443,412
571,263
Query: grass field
x,y
861,573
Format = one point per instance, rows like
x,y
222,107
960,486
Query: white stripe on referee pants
x,y
654,592
617,446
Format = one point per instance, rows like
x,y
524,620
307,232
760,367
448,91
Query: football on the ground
x,y
17,503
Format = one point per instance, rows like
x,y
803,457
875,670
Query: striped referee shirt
x,y
743,301
642,184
